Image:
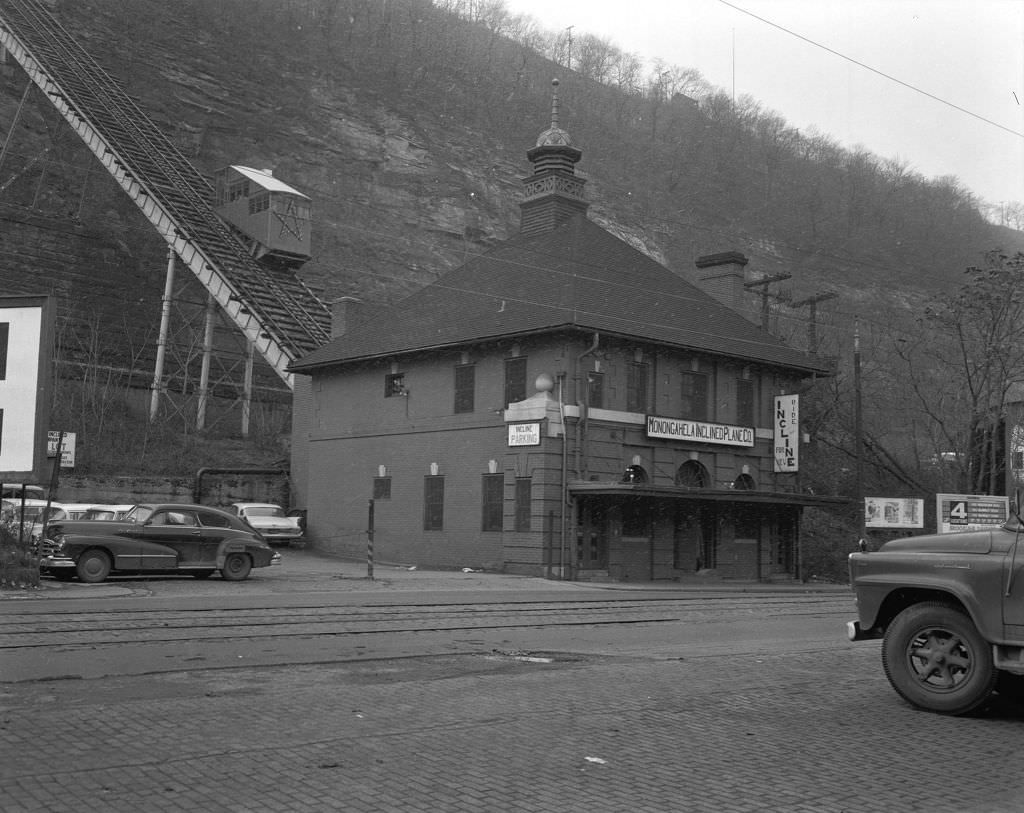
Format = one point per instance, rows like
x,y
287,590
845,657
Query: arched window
x,y
692,475
744,483
634,474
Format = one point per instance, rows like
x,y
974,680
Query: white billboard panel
x,y
25,345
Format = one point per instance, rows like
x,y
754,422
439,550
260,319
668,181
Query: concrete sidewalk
x,y
306,570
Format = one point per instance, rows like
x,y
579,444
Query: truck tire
x,y
936,659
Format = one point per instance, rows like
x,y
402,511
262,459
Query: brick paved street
x,y
785,733
803,728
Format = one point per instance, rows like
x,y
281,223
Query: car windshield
x,y
264,511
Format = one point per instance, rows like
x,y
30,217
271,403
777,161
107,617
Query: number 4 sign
x,y
969,512
958,512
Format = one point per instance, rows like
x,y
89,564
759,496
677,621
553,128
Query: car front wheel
x,y
93,566
236,567
936,659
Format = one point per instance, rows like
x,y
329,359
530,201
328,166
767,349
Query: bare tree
x,y
595,58
960,370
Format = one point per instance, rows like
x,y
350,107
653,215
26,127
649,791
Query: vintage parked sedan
x,y
270,520
164,538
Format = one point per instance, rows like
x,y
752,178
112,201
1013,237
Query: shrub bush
x,y
827,538
19,565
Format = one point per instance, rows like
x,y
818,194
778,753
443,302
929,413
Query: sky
x,y
951,101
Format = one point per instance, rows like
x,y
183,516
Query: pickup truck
x,y
949,609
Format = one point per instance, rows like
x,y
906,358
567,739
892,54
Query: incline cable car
x,y
272,218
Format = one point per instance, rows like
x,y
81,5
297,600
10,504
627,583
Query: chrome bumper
x,y
50,562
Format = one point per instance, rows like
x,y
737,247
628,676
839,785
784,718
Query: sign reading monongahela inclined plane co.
x,y
678,429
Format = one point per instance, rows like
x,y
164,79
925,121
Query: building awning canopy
x,y
579,488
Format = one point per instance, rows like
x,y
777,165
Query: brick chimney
x,y
344,312
722,276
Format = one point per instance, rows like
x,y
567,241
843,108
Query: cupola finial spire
x,y
554,104
554,192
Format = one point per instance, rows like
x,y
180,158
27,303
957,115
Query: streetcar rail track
x,y
99,629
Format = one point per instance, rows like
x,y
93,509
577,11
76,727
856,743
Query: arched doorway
x,y
696,534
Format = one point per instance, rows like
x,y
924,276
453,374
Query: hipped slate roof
x,y
576,277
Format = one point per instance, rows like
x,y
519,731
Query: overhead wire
x,y
867,67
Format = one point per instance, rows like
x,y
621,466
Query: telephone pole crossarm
x,y
812,323
763,284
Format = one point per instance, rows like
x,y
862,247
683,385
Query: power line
x,y
867,67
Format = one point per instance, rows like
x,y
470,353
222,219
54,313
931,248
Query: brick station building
x,y
560,405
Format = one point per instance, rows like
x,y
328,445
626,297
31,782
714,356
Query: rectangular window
x,y
238,189
524,503
5,332
382,488
595,390
695,396
465,386
744,402
636,388
259,202
433,503
394,385
515,380
493,499
210,520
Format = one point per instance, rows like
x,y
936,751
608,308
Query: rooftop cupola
x,y
553,193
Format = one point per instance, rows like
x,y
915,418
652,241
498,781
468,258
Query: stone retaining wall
x,y
218,489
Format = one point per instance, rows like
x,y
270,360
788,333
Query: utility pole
x,y
159,386
858,432
812,325
763,283
569,58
